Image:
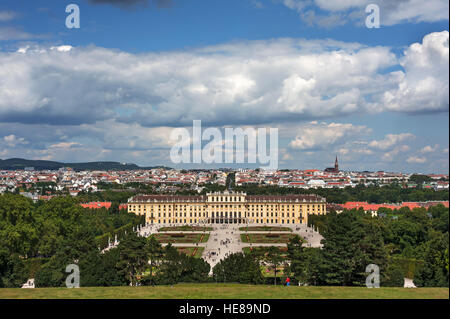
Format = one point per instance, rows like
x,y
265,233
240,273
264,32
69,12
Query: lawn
x,y
182,238
192,251
273,238
185,228
265,228
247,250
225,291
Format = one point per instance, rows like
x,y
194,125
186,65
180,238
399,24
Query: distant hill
x,y
20,163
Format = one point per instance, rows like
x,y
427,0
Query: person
x,y
288,281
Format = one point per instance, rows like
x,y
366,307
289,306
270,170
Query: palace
x,y
227,208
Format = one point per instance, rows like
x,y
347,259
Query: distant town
x,y
45,184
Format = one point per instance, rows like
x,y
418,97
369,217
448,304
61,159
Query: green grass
x,y
247,250
186,228
182,238
265,228
190,251
225,291
273,238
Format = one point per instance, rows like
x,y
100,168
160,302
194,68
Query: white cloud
x,y
65,145
12,140
413,11
322,135
339,5
225,84
391,155
416,160
424,84
390,140
62,48
339,12
429,149
239,83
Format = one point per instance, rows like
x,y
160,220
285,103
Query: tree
x,y
274,259
170,268
193,269
419,179
133,258
12,271
304,262
434,272
155,254
352,241
240,268
393,276
295,255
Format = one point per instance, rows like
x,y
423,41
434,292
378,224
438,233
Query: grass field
x,y
247,250
192,251
265,228
185,228
225,291
182,238
273,238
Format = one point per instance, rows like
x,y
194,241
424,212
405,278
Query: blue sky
x,y
113,89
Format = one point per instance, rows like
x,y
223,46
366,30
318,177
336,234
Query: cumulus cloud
x,y
429,149
12,140
423,86
239,83
327,13
416,160
316,135
391,155
390,141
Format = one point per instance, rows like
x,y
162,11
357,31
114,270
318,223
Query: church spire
x,y
336,165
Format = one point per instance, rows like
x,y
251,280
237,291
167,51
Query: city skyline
x,y
114,89
189,167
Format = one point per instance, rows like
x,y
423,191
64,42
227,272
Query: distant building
x,y
334,169
96,205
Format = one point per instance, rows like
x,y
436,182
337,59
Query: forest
x,y
38,240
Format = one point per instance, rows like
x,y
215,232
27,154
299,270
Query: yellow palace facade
x,y
227,208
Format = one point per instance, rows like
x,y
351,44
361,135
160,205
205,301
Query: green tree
x,y
133,258
155,254
274,258
240,268
304,262
434,272
352,241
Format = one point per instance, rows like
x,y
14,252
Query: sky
x,y
115,88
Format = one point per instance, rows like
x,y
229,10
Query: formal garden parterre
x,y
263,238
182,238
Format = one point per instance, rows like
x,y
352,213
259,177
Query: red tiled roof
x,y
96,205
374,207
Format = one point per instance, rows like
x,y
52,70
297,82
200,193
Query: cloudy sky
x,y
136,69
